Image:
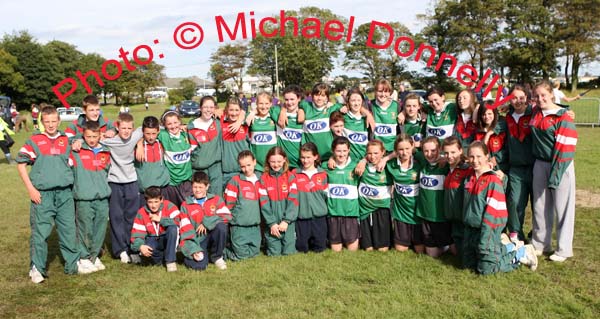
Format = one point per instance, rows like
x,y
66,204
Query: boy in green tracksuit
x,y
49,187
152,171
342,199
241,196
91,193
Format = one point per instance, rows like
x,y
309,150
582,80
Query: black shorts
x,y
343,230
177,194
375,230
407,234
437,234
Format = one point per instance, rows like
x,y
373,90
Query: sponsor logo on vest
x,y
316,126
262,138
368,191
357,137
181,157
429,182
403,190
339,191
438,132
292,135
383,130
417,137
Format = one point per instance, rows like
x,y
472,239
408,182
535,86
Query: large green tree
x,y
10,79
231,59
188,88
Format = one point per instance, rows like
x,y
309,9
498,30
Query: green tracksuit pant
x,y
520,186
92,219
458,235
284,245
484,252
57,207
245,242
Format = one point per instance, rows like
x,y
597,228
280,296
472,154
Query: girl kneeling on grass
x,y
485,218
279,204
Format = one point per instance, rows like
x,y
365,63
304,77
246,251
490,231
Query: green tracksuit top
x,y
242,198
406,191
519,140
152,171
90,173
373,191
312,193
342,191
207,141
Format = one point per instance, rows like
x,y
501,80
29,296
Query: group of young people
x,y
306,175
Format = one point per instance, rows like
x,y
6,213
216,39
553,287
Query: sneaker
x,y
135,258
221,264
530,259
84,268
171,267
124,257
35,275
557,258
98,264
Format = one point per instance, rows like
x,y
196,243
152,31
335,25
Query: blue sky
x,y
105,26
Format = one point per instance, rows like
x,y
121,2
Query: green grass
x,y
357,285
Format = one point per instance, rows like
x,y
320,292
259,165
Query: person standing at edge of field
x,y
559,96
91,106
554,141
49,187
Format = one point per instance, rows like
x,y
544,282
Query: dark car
x,y
189,109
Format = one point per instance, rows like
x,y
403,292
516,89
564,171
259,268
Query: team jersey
x,y
386,123
312,193
497,144
430,203
90,171
441,125
316,127
207,143
342,192
415,129
233,144
262,138
406,190
465,129
152,171
177,156
554,141
290,137
278,197
373,191
143,226
454,186
355,129
519,140
242,198
484,202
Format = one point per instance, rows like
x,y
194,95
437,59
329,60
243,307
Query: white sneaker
x,y
36,276
171,267
221,264
530,259
557,258
84,268
504,239
135,258
98,264
124,257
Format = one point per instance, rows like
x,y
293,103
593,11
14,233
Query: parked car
x,y
69,114
189,108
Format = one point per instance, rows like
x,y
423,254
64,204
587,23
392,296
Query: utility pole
x,y
276,74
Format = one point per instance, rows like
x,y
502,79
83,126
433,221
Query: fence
x,y
587,111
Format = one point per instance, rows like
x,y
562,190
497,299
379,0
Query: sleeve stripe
x,y
139,227
231,193
184,222
566,140
495,204
174,213
223,210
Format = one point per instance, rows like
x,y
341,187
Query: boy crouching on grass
x,y
154,232
91,193
49,187
203,223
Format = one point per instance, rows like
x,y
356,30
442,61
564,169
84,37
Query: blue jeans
x,y
163,246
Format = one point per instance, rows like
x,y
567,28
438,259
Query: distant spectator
x,y
559,96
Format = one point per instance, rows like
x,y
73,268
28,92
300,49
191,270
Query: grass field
x,y
357,285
